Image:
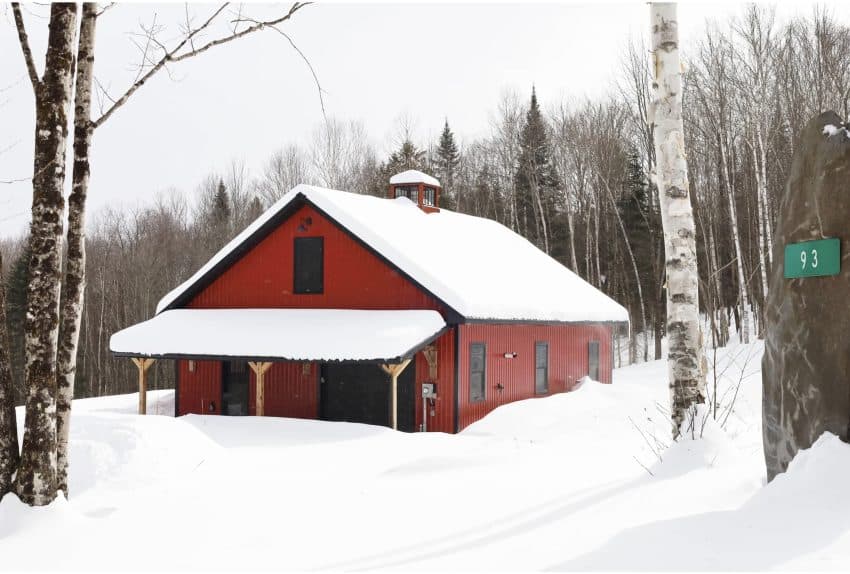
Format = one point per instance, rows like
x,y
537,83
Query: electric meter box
x,y
429,390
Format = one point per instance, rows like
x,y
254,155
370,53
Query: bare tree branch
x,y
309,65
169,56
25,45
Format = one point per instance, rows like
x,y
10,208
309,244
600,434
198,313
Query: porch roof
x,y
281,334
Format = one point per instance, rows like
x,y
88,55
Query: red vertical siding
x,y
289,391
199,390
443,419
355,278
568,361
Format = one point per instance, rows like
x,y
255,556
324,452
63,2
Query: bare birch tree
x,y
35,479
685,355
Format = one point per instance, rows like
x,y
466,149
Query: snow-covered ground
x,y
585,480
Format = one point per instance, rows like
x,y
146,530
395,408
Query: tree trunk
x,y
35,482
685,355
73,286
9,454
572,230
744,328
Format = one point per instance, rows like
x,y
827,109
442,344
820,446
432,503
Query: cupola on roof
x,y
414,176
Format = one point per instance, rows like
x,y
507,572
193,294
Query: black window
x,y
541,368
593,360
309,265
430,196
477,371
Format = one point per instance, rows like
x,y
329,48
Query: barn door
x,y
593,360
234,388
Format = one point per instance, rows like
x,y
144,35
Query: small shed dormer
x,y
418,187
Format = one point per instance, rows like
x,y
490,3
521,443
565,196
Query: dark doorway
x,y
360,393
234,388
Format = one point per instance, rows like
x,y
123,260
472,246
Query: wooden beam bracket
x,y
143,364
394,370
260,369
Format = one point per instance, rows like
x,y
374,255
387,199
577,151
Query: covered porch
x,y
335,362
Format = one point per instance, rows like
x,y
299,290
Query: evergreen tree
x,y
447,162
535,179
221,204
634,208
408,156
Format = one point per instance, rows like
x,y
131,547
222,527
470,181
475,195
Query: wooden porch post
x,y
260,369
394,371
143,365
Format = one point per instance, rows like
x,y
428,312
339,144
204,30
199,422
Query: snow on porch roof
x,y
281,334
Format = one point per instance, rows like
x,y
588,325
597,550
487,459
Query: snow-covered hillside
x,y
584,480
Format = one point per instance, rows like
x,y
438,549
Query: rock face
x,y
806,364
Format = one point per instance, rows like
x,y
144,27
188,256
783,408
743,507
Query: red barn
x,y
346,307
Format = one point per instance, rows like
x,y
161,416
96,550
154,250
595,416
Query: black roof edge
x,y
240,250
469,321
409,354
451,315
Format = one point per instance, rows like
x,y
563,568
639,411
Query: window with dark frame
x,y
593,360
429,197
309,266
411,192
477,372
541,368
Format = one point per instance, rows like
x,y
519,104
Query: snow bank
x,y
587,480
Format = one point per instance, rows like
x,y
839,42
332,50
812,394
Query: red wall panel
x,y
199,390
444,407
355,278
289,391
568,361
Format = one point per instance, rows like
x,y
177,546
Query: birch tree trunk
x,y
73,285
736,239
35,481
685,356
9,454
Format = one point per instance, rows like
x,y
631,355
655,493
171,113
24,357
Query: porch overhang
x,y
281,335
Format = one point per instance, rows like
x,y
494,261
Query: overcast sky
x,y
377,62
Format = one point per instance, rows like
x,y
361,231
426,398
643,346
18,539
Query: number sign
x,y
813,258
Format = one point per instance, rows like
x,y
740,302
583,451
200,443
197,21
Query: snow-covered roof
x,y
281,334
476,266
414,176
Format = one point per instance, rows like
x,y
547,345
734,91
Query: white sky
x,y
376,62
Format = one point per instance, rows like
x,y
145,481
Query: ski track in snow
x,y
569,482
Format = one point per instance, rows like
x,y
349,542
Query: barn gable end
x,y
355,277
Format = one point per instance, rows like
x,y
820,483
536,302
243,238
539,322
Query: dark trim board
x,y
457,380
468,321
176,388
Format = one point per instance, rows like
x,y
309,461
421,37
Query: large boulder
x,y
806,365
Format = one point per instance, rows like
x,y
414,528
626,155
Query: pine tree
x,y
221,204
448,159
535,178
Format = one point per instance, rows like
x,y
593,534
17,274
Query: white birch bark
x,y
736,239
74,284
35,481
685,356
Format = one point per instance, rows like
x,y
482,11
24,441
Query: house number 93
x,y
814,258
